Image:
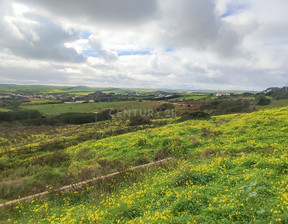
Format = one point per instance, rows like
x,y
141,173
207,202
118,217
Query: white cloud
x,y
34,36
210,44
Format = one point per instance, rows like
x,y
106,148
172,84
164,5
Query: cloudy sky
x,y
188,44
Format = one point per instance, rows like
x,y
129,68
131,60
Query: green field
x,y
56,109
191,97
71,90
274,104
230,169
39,89
36,102
4,110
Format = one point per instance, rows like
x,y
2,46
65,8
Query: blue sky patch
x,y
170,49
233,9
143,52
90,53
85,35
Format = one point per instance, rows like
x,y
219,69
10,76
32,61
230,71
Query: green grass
x,y
34,157
35,102
274,104
247,98
252,131
56,109
191,97
244,189
4,110
230,169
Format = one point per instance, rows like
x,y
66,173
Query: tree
x,y
262,100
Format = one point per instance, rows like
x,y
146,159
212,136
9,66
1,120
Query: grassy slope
x,y
235,133
55,109
33,157
234,171
274,104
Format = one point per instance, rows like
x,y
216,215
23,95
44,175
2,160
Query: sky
x,y
183,44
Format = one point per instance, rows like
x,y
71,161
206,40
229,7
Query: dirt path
x,y
79,184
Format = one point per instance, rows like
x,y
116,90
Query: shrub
x,y
84,154
207,153
19,115
162,154
262,100
207,132
210,106
47,176
75,118
11,189
2,165
138,120
53,159
105,115
194,116
232,106
279,94
165,106
127,212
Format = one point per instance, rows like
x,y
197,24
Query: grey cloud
x,y
35,37
194,77
106,54
113,12
24,75
204,48
194,23
251,78
182,23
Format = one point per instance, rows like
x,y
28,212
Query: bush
x,y
247,94
207,153
47,176
210,106
20,115
279,94
75,118
105,115
53,159
138,120
162,154
228,107
262,100
165,106
194,116
81,118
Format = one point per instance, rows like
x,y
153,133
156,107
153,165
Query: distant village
x,y
97,96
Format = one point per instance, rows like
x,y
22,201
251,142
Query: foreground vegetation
x,y
32,158
4,110
230,169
